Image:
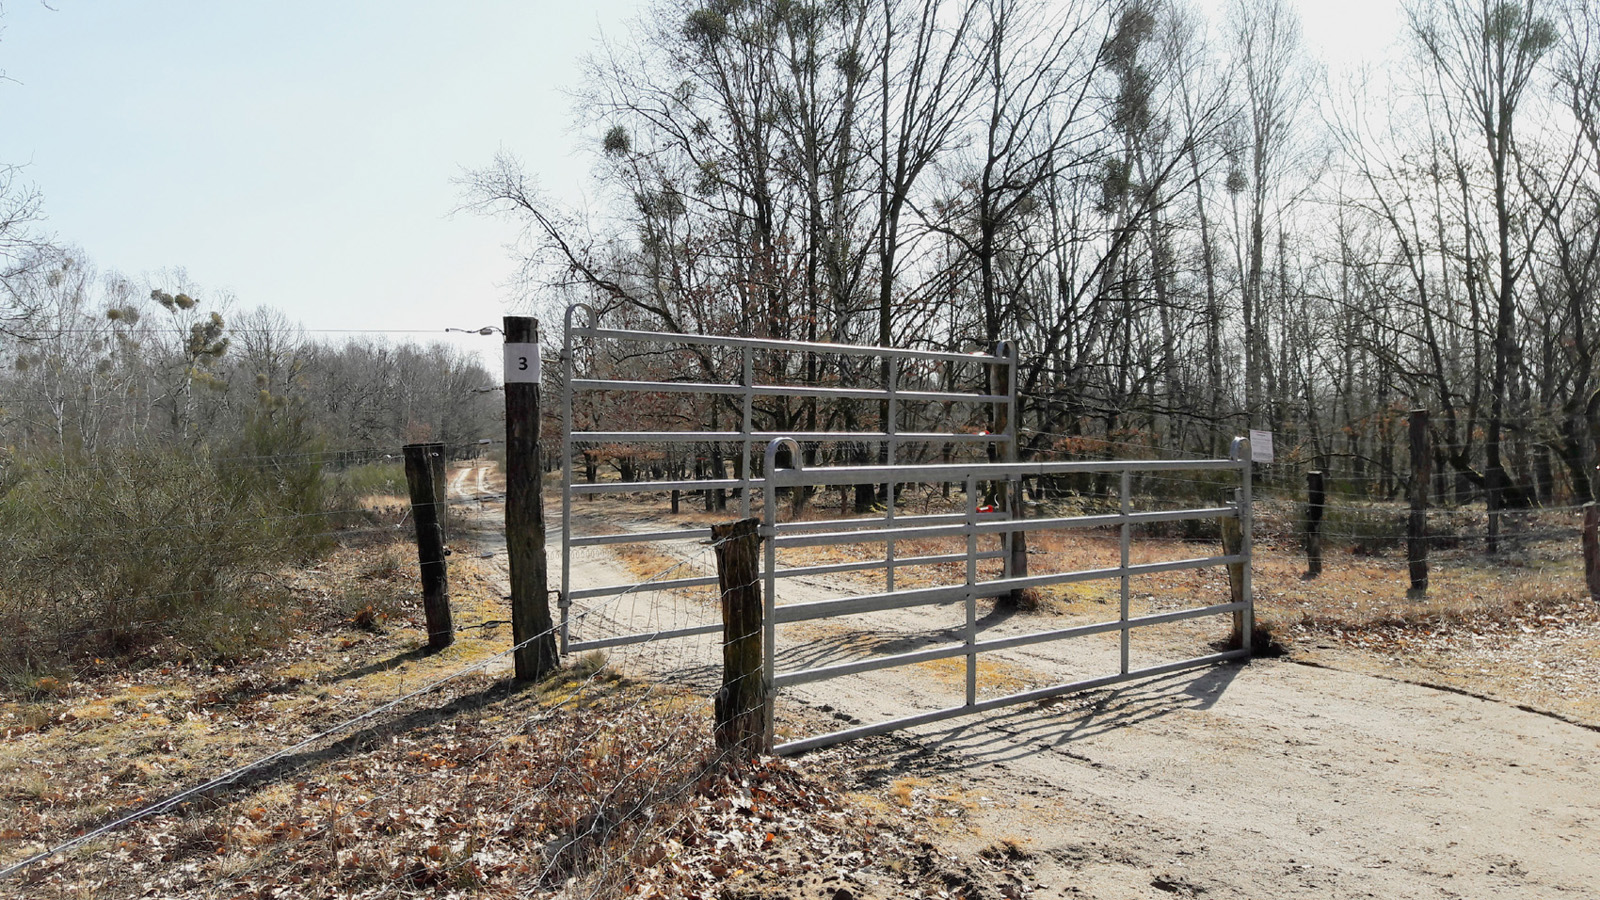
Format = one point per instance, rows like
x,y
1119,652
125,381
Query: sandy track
x,y
1273,779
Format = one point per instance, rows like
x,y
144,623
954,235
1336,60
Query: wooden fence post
x,y
744,704
1316,497
1417,530
532,629
1233,545
426,512
441,487
1591,549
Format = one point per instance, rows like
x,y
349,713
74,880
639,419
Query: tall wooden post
x,y
1316,498
426,512
1233,545
441,486
1417,532
743,706
1591,549
532,629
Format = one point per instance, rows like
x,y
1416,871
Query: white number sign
x,y
522,364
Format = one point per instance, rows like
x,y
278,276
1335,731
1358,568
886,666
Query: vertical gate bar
x,y
747,378
972,594
563,599
769,511
1127,541
1246,524
891,428
1017,548
1003,448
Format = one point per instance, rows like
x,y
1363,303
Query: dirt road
x,y
1273,779
1279,780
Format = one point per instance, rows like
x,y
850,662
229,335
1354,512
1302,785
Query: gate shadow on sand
x,y
1046,726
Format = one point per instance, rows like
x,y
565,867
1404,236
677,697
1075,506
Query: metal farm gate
x,y
973,526
742,382
650,400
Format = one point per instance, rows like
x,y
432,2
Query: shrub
x,y
109,556
381,479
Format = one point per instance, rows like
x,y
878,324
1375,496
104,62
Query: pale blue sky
x,y
297,154
301,154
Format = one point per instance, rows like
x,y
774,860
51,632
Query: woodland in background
x,y
162,458
1186,226
100,364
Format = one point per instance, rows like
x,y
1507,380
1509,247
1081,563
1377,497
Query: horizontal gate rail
x,y
988,471
947,651
778,390
713,340
972,525
849,606
733,437
660,585
643,637
1010,526
901,561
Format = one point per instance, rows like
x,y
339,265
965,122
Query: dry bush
x,y
111,556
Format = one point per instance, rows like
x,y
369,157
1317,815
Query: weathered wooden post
x,y
426,511
532,630
1316,499
744,704
1591,549
1417,530
1233,545
441,486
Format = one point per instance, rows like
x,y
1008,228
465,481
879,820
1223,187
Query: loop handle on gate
x,y
774,445
594,317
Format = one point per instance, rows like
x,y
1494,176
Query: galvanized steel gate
x,y
905,376
905,379
971,526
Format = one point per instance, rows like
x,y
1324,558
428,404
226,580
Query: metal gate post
x,y
1014,544
769,534
972,595
564,598
891,448
1239,452
1127,543
747,378
1247,519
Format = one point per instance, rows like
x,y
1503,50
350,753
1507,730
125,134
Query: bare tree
x,y
1484,55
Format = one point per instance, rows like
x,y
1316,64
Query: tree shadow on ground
x,y
383,665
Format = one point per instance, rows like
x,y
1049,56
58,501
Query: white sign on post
x,y
1260,446
522,364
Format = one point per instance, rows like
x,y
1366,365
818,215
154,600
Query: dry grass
x,y
585,784
993,675
646,562
175,720
1519,627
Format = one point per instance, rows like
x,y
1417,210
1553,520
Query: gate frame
x,y
775,534
1002,368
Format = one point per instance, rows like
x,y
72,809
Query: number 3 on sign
x,y
522,364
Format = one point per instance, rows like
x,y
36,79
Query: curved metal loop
x,y
1239,450
1006,350
772,454
594,317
